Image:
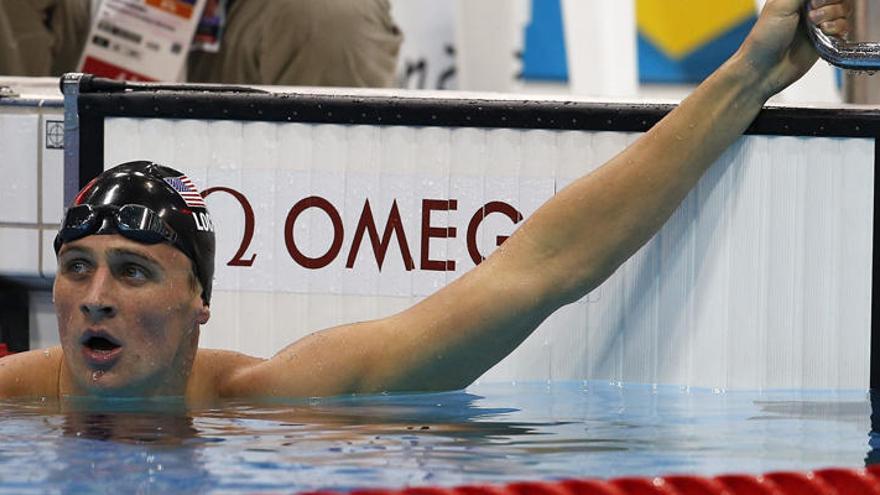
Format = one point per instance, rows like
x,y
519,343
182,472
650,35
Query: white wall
x,y
43,326
600,40
427,55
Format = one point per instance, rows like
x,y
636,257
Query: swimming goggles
x,y
134,222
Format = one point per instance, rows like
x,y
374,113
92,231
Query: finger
x,y
829,13
815,4
838,27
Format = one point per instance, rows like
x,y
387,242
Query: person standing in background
x,y
42,37
303,43
270,42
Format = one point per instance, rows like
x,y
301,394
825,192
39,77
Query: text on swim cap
x,y
203,221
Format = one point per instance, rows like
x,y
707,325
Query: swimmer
x,y
134,269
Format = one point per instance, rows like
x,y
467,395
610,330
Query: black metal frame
x,y
97,99
14,316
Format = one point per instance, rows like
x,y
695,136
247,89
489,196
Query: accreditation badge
x,y
141,40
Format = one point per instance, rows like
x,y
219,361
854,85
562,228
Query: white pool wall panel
x,y
19,144
32,175
761,278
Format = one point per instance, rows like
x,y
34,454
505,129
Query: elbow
x,y
571,281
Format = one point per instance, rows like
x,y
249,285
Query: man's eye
x,y
135,272
77,267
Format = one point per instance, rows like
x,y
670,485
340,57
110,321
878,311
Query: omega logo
x,y
367,227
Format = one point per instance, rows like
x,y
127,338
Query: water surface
x,y
489,433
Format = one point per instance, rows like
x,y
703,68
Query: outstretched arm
x,y
568,247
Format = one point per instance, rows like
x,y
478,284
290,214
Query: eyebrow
x,y
65,250
134,253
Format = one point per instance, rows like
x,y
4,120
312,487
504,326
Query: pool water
x,y
489,433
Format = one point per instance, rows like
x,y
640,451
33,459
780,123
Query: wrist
x,y
750,82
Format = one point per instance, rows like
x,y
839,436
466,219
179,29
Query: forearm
x,y
582,235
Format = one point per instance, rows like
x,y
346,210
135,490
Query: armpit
x,y
214,371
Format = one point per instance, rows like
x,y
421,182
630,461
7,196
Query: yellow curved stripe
x,y
678,27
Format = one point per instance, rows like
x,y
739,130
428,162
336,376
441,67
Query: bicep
x,y
325,363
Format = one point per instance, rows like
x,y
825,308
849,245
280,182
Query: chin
x,y
103,384
110,383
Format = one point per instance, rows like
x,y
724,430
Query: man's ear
x,y
204,314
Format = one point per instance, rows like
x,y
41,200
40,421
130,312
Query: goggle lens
x,y
143,224
135,222
78,219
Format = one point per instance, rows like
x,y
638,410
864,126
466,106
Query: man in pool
x,y
130,301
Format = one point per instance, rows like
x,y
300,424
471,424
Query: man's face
x,y
128,316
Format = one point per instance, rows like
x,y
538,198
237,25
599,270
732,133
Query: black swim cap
x,y
160,198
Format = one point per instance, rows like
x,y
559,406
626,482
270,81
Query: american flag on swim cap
x,y
187,190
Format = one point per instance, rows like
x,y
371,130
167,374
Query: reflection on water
x,y
138,422
491,434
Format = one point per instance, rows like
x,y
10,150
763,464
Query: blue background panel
x,y
544,57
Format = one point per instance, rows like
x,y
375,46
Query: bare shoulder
x,y
32,373
214,369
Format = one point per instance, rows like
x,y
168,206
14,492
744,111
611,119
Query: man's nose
x,y
98,311
98,303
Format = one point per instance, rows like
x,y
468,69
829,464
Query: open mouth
x,y
100,349
101,344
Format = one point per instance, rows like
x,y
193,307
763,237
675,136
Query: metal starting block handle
x,y
841,53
